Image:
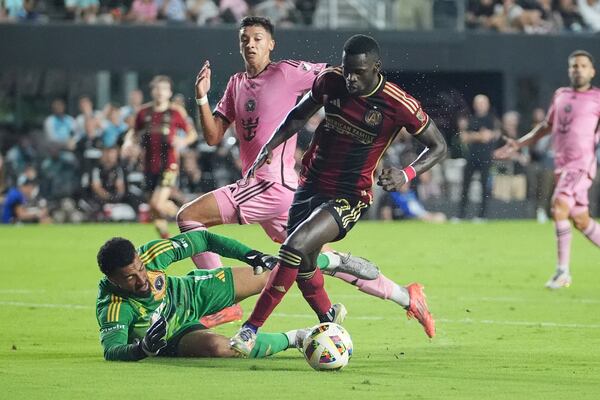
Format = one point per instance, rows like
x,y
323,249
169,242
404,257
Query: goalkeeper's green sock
x,y
268,344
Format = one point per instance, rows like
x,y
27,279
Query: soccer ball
x,y
327,347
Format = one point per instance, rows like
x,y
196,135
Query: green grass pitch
x,y
500,334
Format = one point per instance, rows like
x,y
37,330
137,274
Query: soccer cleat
x,y
336,314
228,314
301,334
243,342
418,308
561,279
355,266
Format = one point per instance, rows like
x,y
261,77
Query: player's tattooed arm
x,y
392,179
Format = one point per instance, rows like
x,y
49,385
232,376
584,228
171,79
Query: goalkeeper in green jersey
x,y
144,312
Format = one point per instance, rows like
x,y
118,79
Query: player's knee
x,y
183,214
293,256
581,221
560,208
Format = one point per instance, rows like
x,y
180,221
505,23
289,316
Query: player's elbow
x,y
440,150
213,140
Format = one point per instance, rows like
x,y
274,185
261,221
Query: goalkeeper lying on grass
x,y
143,312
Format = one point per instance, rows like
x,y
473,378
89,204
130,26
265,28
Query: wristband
x,y
409,173
202,100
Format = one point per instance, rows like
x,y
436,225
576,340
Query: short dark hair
x,y
116,253
583,53
261,21
362,44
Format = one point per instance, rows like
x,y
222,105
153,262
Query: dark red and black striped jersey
x,y
158,131
355,133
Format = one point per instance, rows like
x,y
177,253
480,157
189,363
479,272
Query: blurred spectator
x,y
486,14
541,171
590,13
18,10
114,127
190,181
143,11
60,127
3,179
16,204
172,10
306,8
510,182
232,11
19,157
280,12
135,99
88,151
59,176
204,12
413,14
108,179
83,10
405,204
113,10
86,110
479,134
571,19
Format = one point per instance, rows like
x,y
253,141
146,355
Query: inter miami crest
x,y
249,126
373,117
251,105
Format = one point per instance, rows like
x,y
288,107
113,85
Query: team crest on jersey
x,y
306,67
158,283
251,105
568,108
420,115
373,117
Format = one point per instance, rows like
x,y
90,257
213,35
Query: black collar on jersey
x,y
263,70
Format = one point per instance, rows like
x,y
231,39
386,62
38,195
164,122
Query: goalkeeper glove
x,y
260,261
154,340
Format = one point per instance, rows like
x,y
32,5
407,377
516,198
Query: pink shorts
x,y
572,186
256,201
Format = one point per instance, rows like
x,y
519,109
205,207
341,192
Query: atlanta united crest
x,y
373,117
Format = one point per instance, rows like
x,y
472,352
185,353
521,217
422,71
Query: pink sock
x,y
314,292
279,283
592,232
563,242
206,260
380,287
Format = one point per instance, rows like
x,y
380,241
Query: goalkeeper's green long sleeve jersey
x,y
123,319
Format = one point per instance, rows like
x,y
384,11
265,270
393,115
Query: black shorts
x,y
345,210
166,178
171,350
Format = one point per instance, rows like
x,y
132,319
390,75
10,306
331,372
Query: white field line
x,y
540,324
498,299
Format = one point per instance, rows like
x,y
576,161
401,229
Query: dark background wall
x,y
183,49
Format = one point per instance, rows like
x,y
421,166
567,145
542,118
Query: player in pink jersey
x,y
257,101
573,119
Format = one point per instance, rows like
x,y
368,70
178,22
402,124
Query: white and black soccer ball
x,y
327,347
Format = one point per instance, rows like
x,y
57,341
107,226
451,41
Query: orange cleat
x,y
229,314
418,308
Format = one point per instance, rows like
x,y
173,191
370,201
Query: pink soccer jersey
x,y
258,105
574,117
